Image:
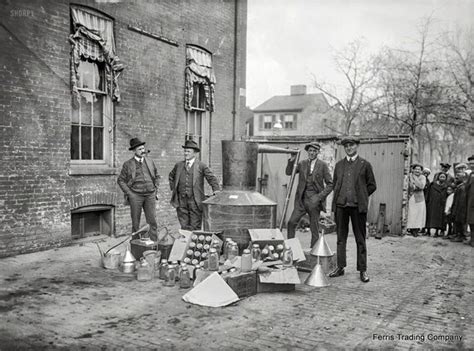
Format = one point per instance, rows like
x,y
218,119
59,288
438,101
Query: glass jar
x,y
213,260
287,257
201,238
144,272
264,254
233,251
170,277
256,252
197,268
226,247
163,269
246,261
184,277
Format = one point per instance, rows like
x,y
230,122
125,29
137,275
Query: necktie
x,y
188,165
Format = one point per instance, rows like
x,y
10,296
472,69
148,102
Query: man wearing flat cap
x,y
187,187
139,181
354,182
445,169
314,185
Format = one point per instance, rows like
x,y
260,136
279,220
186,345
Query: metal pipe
x,y
234,102
268,149
288,192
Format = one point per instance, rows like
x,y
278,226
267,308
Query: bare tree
x,y
360,74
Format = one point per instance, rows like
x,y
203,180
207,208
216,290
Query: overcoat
x,y
470,200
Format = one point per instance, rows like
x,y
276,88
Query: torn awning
x,y
199,71
93,39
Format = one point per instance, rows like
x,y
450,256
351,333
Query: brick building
x,y
298,114
80,79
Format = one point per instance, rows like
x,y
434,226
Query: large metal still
x,y
239,206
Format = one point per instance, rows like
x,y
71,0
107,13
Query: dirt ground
x,y
420,297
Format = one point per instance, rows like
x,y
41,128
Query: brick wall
x,y
37,188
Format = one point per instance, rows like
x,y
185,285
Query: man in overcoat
x,y
139,180
470,200
314,185
187,187
354,182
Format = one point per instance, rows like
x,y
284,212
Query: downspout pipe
x,y
234,99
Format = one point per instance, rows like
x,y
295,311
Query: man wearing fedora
x,y
187,187
314,185
139,181
354,182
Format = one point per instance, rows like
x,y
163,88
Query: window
x,y
289,121
94,83
87,130
268,121
91,221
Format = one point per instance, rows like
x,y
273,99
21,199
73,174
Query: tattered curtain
x,y
93,39
199,70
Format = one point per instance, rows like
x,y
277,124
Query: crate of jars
x,y
266,237
193,247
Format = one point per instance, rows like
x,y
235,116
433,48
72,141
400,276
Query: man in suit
x,y
354,182
187,186
139,181
314,185
470,200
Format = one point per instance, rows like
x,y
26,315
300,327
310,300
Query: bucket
x,y
111,259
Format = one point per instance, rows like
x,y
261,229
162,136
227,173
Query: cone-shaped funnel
x,y
128,257
321,248
317,278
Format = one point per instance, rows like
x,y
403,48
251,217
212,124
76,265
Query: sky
x,y
289,41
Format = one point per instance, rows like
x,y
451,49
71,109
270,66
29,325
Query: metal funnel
x,y
321,248
317,278
128,257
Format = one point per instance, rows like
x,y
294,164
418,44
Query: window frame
x,y
293,122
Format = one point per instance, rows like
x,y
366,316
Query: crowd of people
x,y
444,206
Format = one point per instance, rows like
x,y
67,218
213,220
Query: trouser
x,y
459,229
359,227
312,209
147,202
189,214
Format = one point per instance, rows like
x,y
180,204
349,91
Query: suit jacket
x,y
470,200
365,184
320,178
200,171
128,174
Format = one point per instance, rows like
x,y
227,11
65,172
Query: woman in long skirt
x,y
416,200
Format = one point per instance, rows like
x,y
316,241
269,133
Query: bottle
x,y
264,254
226,247
204,255
197,268
206,247
194,261
276,256
213,260
246,261
194,237
280,248
176,269
233,251
287,257
208,239
187,260
189,253
271,250
144,271
170,277
256,252
201,238
163,269
199,246
192,245
184,277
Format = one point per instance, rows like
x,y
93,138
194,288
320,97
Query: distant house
x,y
296,114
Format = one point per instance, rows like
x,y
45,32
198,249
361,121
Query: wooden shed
x,y
387,154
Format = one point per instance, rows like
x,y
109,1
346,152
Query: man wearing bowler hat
x,y
139,181
314,185
354,182
187,186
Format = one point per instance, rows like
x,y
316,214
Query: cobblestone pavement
x,y
420,289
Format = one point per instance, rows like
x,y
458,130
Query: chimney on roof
x,y
298,89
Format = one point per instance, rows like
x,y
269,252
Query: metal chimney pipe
x,y
239,165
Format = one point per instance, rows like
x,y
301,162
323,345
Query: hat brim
x,y
317,147
135,146
191,147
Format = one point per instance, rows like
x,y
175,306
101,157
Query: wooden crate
x,y
243,284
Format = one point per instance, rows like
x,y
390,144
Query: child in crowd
x,y
447,211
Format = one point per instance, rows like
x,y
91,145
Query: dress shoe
x,y
337,272
364,277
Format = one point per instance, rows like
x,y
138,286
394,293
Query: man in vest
x,y
354,182
187,186
314,185
139,181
